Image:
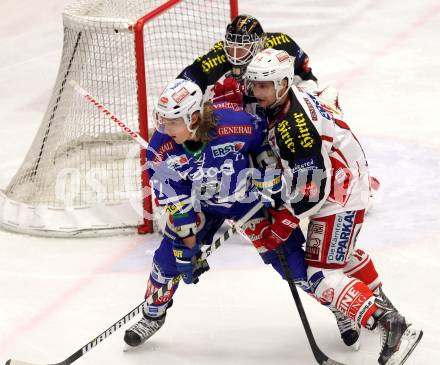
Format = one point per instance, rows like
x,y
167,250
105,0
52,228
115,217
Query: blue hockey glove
x,y
186,262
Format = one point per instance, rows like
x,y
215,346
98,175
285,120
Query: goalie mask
x,y
243,40
272,65
180,99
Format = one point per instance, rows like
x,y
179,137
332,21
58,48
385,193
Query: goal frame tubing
x,y
138,29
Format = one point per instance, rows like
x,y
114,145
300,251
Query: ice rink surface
x,y
57,294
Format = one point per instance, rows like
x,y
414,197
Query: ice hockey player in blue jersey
x,y
199,168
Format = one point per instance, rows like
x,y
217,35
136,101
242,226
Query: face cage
x,y
249,49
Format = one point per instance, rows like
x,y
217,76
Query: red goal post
x,y
82,175
147,227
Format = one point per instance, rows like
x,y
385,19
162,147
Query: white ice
x,y
57,294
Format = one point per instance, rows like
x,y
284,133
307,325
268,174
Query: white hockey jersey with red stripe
x,y
325,167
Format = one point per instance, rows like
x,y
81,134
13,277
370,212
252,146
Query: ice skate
x,y
379,293
398,338
350,331
141,331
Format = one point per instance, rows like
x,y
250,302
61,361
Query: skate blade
x,y
127,348
356,346
409,341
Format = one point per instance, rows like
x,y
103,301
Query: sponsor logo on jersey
x,y
212,62
208,63
320,108
229,130
328,295
227,105
267,184
217,46
304,137
305,164
222,150
178,253
311,109
342,231
178,96
164,148
314,241
276,40
174,208
354,302
284,129
175,162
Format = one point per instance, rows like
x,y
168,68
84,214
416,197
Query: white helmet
x,y
180,98
272,65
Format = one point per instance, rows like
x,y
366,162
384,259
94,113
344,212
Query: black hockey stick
x,y
320,357
152,298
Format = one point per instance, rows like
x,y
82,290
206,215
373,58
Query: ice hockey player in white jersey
x,y
199,169
244,38
327,180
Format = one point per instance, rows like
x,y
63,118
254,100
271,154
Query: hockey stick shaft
x,y
92,100
117,325
320,357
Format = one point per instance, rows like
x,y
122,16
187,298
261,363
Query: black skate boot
x,y
397,337
378,293
141,331
349,330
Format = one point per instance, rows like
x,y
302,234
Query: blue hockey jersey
x,y
217,177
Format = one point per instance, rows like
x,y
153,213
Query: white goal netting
x,y
82,175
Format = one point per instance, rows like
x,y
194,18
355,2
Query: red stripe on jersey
x,y
341,124
339,152
327,138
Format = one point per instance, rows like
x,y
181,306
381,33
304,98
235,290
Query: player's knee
x,y
324,283
361,267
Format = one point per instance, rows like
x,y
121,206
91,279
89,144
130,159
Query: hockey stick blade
x,y
17,362
320,357
331,362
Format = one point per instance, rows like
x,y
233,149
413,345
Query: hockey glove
x,y
266,236
187,264
230,91
283,224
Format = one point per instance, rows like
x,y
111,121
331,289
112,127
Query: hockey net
x,y
82,175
